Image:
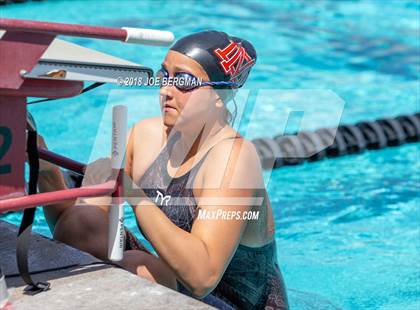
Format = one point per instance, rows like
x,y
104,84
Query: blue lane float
x,y
308,146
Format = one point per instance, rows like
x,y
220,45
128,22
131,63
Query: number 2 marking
x,y
7,142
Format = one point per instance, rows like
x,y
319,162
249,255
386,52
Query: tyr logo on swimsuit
x,y
163,199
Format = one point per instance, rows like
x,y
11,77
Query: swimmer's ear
x,y
219,102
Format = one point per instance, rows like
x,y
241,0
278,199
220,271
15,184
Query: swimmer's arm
x,y
200,258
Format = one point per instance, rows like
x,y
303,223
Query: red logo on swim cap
x,y
234,61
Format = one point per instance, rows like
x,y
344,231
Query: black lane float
x,y
308,146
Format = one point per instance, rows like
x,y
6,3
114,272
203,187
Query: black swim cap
x,y
224,58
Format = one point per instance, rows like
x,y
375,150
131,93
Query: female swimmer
x,y
196,181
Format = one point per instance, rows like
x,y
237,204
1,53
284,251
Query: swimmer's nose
x,y
165,96
166,92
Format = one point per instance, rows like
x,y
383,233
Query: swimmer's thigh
x,y
84,227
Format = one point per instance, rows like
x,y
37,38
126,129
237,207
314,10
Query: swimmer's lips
x,y
168,108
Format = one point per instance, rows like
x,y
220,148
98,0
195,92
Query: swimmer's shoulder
x,y
148,133
149,126
237,155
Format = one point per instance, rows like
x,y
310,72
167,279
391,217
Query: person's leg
x,y
52,180
86,228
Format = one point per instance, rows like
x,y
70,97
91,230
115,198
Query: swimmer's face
x,y
182,108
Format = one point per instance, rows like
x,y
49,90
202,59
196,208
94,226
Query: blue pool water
x,y
346,228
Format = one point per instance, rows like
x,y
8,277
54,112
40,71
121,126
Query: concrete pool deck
x,y
82,282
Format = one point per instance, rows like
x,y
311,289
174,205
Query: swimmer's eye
x,y
183,81
186,82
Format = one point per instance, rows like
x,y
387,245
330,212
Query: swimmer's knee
x,y
83,228
53,213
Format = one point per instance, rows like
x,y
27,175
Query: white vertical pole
x,y
116,211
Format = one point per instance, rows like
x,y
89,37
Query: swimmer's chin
x,y
168,120
178,123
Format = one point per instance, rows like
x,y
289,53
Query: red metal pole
x,y
62,161
43,199
108,33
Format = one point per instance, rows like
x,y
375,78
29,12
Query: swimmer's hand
x,y
98,172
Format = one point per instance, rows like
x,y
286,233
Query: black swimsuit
x,y
252,280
